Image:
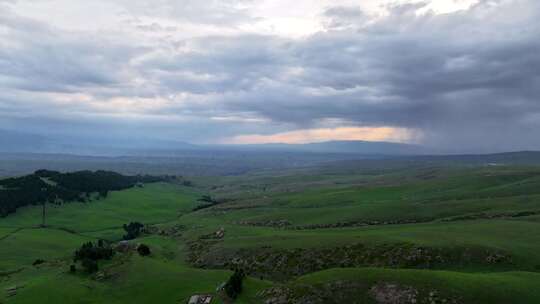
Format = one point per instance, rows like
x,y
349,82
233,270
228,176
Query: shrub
x,y
143,250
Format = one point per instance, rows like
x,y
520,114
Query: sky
x,y
451,74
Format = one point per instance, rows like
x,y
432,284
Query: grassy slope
x,y
507,287
156,203
162,278
493,191
25,246
165,277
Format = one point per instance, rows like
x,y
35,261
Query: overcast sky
x,y
445,73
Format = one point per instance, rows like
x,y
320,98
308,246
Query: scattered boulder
x,y
220,233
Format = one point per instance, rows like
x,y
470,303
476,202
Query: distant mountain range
x,y
21,142
12,141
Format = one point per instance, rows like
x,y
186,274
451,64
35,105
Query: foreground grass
x,y
507,287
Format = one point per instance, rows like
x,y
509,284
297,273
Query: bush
x,y
143,250
72,268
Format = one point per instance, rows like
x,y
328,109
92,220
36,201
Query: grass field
x,y
507,287
475,209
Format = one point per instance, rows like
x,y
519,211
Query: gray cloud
x,y
466,80
213,12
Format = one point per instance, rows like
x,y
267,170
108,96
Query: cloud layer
x,y
242,70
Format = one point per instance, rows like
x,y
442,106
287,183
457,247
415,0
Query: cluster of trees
x,y
89,254
233,287
46,186
133,230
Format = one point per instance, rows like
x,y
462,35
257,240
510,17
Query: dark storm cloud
x,y
465,79
459,78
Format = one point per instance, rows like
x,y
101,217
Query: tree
x,y
49,186
133,230
89,251
103,193
233,287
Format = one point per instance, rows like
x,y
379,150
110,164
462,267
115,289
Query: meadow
x,y
477,226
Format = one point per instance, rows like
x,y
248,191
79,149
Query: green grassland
x,y
480,209
507,287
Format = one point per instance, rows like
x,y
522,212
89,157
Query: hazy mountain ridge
x,y
13,141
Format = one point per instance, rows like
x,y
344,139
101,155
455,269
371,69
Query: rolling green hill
x,y
454,234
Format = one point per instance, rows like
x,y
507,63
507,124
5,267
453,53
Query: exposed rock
x,y
275,295
390,293
170,231
360,224
489,216
339,292
282,264
125,247
268,223
12,291
219,234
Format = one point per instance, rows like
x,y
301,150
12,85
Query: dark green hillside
x,y
54,187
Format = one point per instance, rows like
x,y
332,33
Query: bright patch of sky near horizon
x,y
279,17
245,71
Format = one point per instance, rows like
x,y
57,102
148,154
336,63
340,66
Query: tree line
x,y
46,186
